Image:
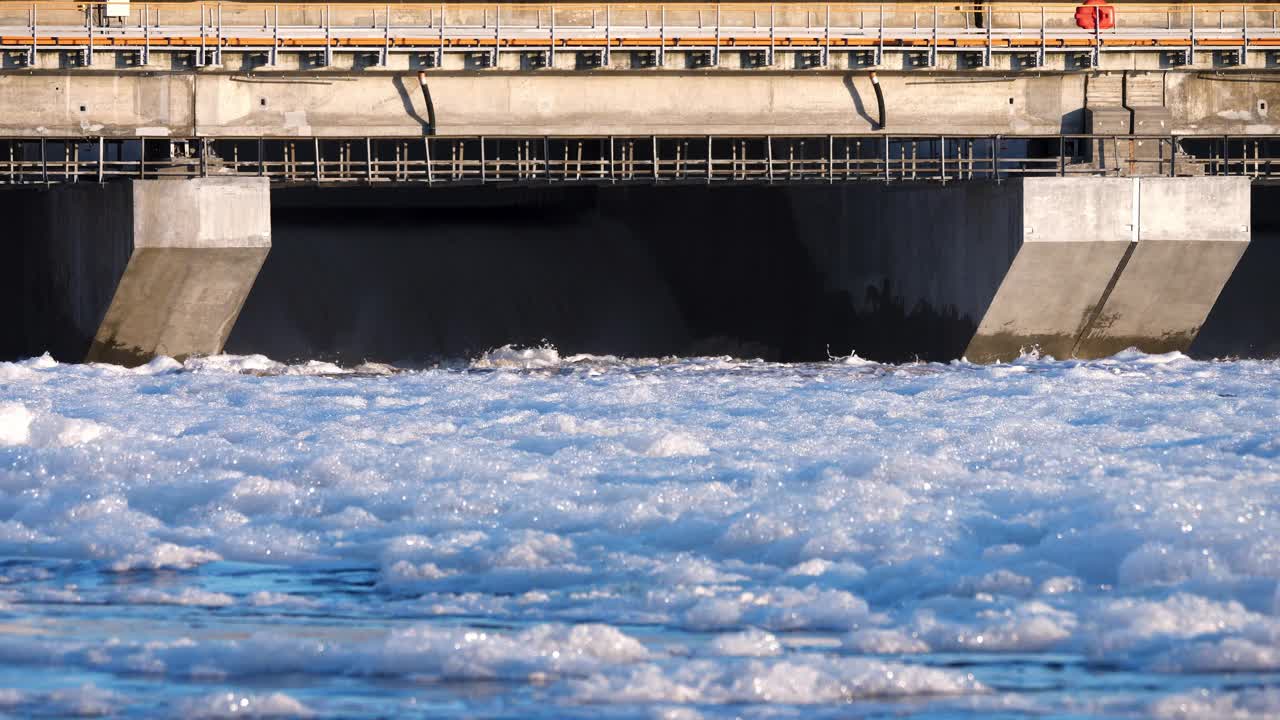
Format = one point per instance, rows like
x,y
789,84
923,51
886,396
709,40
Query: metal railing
x,y
760,29
451,161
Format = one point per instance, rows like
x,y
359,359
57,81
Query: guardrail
x,y
451,161
758,29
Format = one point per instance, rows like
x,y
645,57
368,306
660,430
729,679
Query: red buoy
x,y
1096,14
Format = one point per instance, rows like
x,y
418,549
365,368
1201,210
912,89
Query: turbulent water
x,y
537,536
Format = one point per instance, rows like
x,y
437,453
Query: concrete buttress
x,y
129,270
1107,264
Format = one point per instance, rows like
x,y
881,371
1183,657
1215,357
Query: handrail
x,y
210,26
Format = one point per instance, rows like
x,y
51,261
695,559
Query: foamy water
x,y
538,536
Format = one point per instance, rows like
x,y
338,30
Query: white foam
x,y
1120,510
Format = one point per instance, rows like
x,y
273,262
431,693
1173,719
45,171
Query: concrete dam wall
x,y
785,273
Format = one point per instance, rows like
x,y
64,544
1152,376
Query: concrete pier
x,y
1074,267
128,270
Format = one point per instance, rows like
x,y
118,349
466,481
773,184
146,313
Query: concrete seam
x,y
1135,211
1106,294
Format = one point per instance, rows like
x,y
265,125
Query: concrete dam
x,y
412,182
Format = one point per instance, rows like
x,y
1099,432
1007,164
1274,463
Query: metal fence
x,y
432,30
714,159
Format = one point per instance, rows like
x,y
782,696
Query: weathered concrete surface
x,y
125,271
1128,263
493,103
1074,233
1192,233
355,104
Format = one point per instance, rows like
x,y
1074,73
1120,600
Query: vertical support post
x,y
440,52
1040,61
772,29
880,42
483,174
200,51
933,44
262,157
1191,49
551,59
368,160
35,36
708,159
995,158
826,38
662,37
715,52
942,158
986,56
831,159
1097,36
386,36
612,178
426,152
217,56
315,147
102,148
142,158
608,34
275,36
328,36
886,158
146,34
44,162
768,141
1062,156
1244,31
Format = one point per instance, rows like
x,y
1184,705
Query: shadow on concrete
x,y
1245,322
858,106
406,98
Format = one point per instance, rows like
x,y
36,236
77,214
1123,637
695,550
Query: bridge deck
x,y
436,29
452,161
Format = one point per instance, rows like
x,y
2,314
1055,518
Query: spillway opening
x,y
412,276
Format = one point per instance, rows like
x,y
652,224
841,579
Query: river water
x,y
537,536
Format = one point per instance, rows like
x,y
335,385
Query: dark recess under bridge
x,y
741,159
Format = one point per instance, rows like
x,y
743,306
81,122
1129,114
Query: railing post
x,y
769,155
386,36
995,158
262,157
662,37
886,158
942,158
32,54
1244,31
102,148
715,52
44,162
